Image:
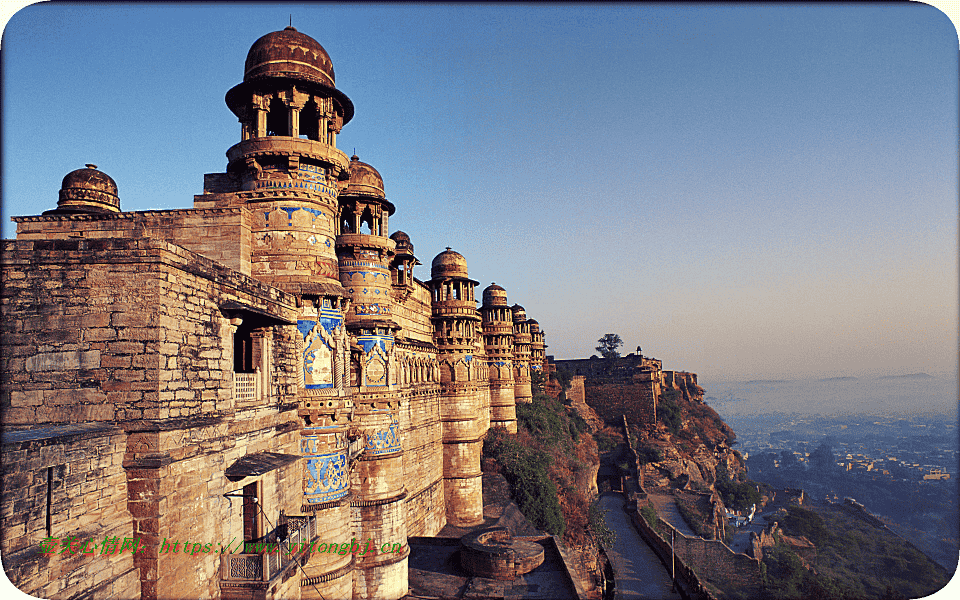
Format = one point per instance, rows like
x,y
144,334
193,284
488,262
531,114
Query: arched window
x,y
278,121
310,121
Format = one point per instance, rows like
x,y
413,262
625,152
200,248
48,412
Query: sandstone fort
x,y
263,367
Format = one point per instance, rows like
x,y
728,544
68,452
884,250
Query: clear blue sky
x,y
744,191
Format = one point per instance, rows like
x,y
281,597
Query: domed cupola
x,y
404,261
87,191
363,201
364,181
288,56
449,264
403,242
289,53
494,295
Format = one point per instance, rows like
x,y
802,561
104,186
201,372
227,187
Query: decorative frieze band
x,y
380,502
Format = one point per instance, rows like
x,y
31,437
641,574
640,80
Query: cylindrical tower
x,y
287,172
365,254
455,331
498,344
537,346
287,166
521,355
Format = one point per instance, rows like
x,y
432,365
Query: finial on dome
x,y
90,166
354,157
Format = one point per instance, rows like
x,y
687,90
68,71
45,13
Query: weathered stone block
x,y
63,361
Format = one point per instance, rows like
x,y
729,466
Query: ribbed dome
x,y
519,313
403,242
364,180
289,53
88,190
534,326
494,295
449,264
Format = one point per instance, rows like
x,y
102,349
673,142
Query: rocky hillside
x,y
688,443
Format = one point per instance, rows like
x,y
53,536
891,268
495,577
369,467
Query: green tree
x,y
536,381
609,345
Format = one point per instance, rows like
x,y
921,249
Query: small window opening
x,y
310,122
367,217
243,351
277,120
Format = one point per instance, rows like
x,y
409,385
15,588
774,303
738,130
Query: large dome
x,y
284,56
364,180
449,264
289,53
88,190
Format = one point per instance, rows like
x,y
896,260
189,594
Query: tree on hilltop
x,y
609,344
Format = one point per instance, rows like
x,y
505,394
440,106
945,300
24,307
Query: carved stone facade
x,y
260,369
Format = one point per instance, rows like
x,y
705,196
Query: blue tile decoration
x,y
384,441
326,474
318,350
326,478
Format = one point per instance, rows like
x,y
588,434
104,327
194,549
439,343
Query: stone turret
x,y
365,254
537,347
521,355
287,172
498,344
456,328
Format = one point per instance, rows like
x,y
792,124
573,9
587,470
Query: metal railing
x,y
274,553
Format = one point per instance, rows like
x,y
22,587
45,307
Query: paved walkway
x,y
666,507
638,570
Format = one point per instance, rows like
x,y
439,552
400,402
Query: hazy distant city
x,y
898,460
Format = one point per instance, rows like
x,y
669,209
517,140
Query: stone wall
x,y
121,329
412,314
612,400
595,368
683,382
66,483
220,234
701,561
423,461
131,331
